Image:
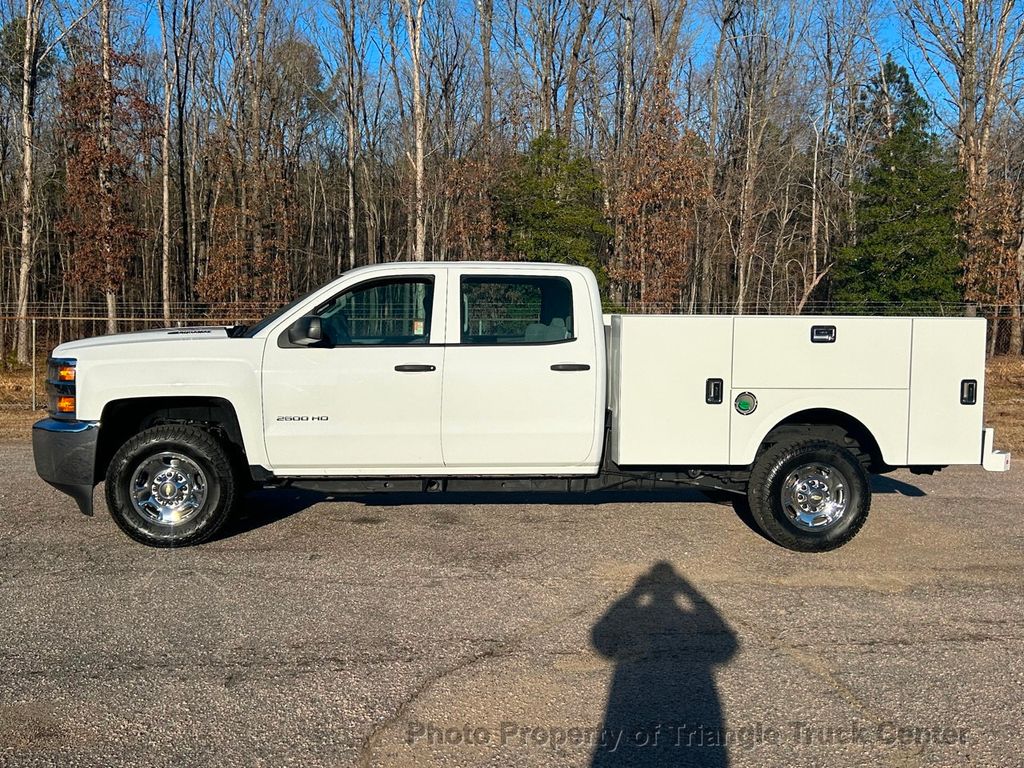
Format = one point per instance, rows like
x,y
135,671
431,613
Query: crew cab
x,y
507,376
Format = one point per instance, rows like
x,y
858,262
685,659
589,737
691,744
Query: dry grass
x,y
16,423
1004,401
16,383
16,414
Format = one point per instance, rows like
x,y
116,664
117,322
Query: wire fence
x,y
23,385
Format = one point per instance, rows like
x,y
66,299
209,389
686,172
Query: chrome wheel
x,y
168,488
815,496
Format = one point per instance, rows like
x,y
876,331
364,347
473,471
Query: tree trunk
x,y
352,129
186,198
350,181
414,26
165,175
1017,322
105,172
586,13
1016,335
486,11
28,92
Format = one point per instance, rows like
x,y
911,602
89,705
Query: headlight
x,y
61,382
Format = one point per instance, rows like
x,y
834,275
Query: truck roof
x,y
491,266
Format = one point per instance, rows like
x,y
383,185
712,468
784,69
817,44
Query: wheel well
x,y
830,424
123,418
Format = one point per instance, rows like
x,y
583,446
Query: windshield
x,y
274,316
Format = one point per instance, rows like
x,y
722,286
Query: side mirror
x,y
305,331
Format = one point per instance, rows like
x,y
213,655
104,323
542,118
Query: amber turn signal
x,y
65,404
66,373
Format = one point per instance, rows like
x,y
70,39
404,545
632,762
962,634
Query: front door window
x,y
383,313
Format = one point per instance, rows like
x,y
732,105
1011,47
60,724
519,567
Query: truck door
x,y
521,377
366,399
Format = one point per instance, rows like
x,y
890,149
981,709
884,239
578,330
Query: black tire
x,y
765,494
212,490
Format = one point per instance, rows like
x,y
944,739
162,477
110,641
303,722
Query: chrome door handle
x,y
412,368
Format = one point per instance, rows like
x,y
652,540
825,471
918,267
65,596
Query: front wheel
x,y
171,486
809,496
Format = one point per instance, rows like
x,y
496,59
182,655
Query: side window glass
x,y
393,311
511,310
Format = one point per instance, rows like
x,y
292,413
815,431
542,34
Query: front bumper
x,y
65,455
991,459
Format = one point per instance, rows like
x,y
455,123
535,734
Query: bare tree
x,y
29,71
973,49
106,144
32,57
414,29
485,10
257,178
170,78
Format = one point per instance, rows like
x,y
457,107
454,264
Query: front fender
x,y
225,369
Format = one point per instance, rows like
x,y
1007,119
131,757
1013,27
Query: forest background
x,y
176,160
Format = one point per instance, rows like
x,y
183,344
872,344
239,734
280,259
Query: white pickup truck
x,y
502,376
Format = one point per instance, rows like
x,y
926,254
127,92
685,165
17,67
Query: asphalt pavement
x,y
514,631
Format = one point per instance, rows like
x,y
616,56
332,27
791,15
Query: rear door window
x,y
516,310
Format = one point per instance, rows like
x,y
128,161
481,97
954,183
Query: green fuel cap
x,y
745,403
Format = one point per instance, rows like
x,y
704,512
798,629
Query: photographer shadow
x,y
663,706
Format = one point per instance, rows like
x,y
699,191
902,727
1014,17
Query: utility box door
x,y
797,353
660,370
948,351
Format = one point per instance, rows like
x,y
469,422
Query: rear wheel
x,y
810,496
171,486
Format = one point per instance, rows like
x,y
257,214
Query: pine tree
x,y
906,249
550,207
